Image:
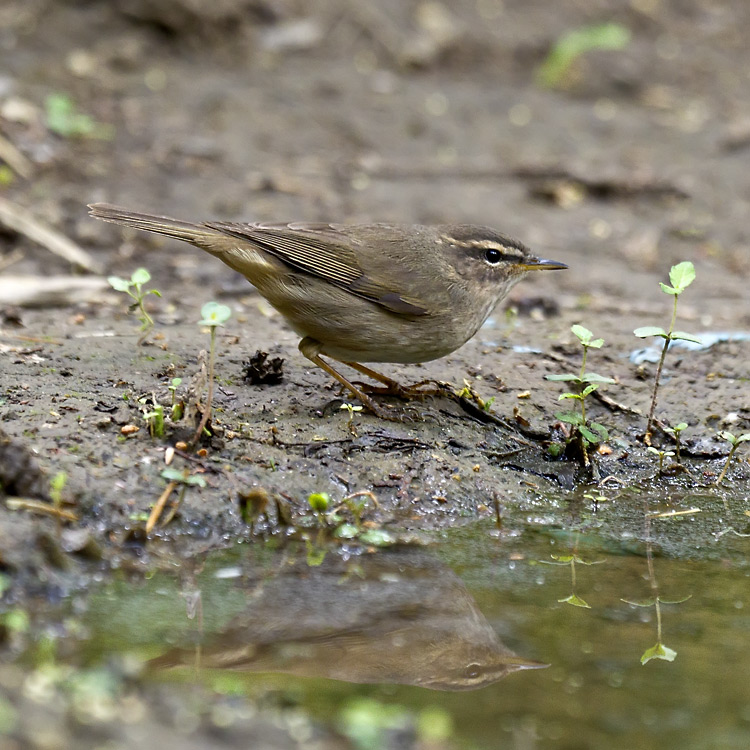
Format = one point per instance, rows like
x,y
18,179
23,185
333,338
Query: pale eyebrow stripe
x,y
485,245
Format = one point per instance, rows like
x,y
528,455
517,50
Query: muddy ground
x,y
394,111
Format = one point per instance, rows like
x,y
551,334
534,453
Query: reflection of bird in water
x,y
393,617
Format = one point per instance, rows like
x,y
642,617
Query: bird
x,y
356,293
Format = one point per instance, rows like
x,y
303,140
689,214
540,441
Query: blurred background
x,y
614,131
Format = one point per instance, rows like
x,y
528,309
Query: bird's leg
x,y
311,349
394,388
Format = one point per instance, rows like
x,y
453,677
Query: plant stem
x,y
667,340
726,465
656,389
210,395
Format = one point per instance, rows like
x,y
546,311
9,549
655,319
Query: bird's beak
x,y
539,264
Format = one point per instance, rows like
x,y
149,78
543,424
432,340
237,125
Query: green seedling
x,y
319,502
662,455
350,424
65,120
588,433
470,394
213,315
134,289
155,421
177,407
676,433
570,47
681,277
735,443
181,477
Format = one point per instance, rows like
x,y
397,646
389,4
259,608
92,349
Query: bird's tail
x,y
196,234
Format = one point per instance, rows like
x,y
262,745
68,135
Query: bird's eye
x,y
492,255
472,671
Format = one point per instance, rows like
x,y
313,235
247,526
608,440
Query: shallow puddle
x,y
452,639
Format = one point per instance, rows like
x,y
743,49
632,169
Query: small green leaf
x,y
646,331
564,378
744,438
576,601
569,417
601,429
592,377
118,284
563,558
669,289
175,475
589,436
651,449
596,344
555,450
658,651
680,427
569,395
583,334
140,276
682,336
589,389
682,275
570,46
319,501
213,314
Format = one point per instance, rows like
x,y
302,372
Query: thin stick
x,y
159,506
14,158
22,221
210,397
37,506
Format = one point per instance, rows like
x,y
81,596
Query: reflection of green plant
x,y
596,499
573,44
65,120
735,442
571,560
681,277
586,433
134,289
367,723
658,650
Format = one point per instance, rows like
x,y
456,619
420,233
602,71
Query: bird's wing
x,y
324,251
